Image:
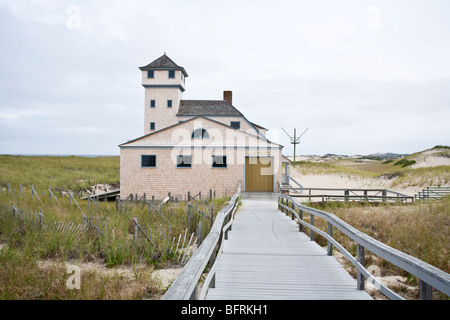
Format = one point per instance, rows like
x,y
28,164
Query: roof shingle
x,y
207,108
164,62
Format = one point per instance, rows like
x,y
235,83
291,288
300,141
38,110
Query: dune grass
x,y
24,245
71,172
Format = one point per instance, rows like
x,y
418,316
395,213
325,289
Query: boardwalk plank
x,y
265,257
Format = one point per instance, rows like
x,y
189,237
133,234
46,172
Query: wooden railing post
x,y
329,245
293,209
425,291
360,257
312,223
300,226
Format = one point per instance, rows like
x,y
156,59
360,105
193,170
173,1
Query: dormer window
x,y
200,134
171,74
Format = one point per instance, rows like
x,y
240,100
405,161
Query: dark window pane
x,y
184,162
235,124
148,161
200,134
219,161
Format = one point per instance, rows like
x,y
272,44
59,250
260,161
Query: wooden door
x,y
259,174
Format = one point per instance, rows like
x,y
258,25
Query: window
x,y
169,103
150,74
148,161
184,162
235,124
219,161
200,134
152,103
152,126
172,74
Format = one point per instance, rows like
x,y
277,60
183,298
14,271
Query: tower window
x,y
219,161
200,134
235,124
172,74
184,162
152,126
152,103
148,161
150,74
169,103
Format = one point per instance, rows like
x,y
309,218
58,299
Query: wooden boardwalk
x,y
266,257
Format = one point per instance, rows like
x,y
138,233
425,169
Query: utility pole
x,y
295,140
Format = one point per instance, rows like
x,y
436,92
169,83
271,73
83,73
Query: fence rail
x,y
346,194
433,193
428,275
185,285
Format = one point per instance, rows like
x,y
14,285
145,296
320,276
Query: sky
x,y
362,76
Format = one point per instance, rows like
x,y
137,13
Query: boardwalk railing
x,y
347,194
185,285
433,193
429,276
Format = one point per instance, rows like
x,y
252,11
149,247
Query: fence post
x,y
360,257
346,193
384,193
135,229
329,245
41,217
212,214
200,232
312,223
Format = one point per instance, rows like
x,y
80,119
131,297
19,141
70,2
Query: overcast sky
x,y
363,76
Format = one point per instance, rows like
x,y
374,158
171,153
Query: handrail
x,y
347,195
185,285
428,275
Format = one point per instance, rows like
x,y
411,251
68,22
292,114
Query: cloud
x,y
290,64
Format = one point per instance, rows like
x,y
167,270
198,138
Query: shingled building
x,y
194,145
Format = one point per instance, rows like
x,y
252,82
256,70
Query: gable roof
x,y
259,137
207,108
163,63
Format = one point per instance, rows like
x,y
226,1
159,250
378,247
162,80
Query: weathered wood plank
x,y
266,257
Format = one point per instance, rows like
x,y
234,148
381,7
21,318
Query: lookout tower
x,y
164,83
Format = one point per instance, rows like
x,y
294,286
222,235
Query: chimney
x,y
228,96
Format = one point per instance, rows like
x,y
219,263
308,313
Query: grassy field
x,y
34,258
71,173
